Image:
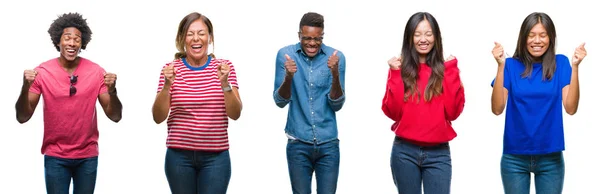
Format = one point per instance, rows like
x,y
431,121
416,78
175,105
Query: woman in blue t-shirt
x,y
534,85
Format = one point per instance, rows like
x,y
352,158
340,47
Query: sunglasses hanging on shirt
x,y
72,89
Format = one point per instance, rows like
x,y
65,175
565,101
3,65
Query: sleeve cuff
x,y
337,101
278,97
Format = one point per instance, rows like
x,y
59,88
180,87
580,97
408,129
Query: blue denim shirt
x,y
311,114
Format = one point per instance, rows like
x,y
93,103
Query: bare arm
x,y
285,90
162,102
26,104
110,101
112,105
233,103
499,93
27,101
570,93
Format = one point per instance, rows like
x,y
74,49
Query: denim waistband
x,y
421,144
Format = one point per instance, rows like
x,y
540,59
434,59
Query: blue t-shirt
x,y
534,123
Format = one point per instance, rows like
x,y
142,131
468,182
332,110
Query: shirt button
x,y
311,84
312,113
311,71
310,98
313,126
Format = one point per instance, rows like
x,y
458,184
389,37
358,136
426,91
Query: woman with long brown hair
x,y
423,95
534,85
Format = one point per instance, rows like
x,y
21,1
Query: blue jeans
x,y
304,159
412,165
197,172
549,170
59,171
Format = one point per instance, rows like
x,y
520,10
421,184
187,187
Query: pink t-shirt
x,y
70,124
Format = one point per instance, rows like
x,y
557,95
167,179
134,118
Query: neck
x,y
197,62
422,58
69,66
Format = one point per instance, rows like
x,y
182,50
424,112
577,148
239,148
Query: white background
x,y
135,39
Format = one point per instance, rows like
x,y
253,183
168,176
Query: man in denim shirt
x,y
309,76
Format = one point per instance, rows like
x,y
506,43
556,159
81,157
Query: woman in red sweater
x,y
423,95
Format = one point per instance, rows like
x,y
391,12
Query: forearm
x,y
573,94
162,104
115,108
23,107
285,90
498,100
233,104
336,88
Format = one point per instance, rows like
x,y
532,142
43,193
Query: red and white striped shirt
x,y
197,120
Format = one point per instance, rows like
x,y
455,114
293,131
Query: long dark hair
x,y
549,57
410,59
184,25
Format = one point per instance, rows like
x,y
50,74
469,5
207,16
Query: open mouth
x,y
423,46
311,49
537,48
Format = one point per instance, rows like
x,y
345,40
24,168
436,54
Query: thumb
x,y
496,43
582,45
335,53
288,57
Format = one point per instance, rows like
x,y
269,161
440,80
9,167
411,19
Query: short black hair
x,y
70,20
312,19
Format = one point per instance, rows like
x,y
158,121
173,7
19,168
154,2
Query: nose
x,y
196,37
70,42
422,39
537,39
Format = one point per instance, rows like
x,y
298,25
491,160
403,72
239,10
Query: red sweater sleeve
x,y
454,93
393,101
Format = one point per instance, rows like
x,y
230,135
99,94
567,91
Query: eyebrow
x,y
68,33
201,30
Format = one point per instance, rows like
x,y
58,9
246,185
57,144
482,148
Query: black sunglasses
x,y
72,89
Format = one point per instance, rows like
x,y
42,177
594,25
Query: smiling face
x,y
537,41
423,39
311,39
70,44
197,39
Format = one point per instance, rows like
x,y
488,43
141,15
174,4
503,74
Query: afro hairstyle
x,y
70,20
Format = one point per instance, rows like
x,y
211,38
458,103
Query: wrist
x,y
226,86
112,91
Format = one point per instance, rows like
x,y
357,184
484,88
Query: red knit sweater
x,y
425,123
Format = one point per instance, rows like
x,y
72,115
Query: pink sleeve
x,y
103,88
454,93
393,100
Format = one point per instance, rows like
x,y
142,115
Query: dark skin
x,y
69,46
311,48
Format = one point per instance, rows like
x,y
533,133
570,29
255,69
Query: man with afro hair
x,y
69,85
